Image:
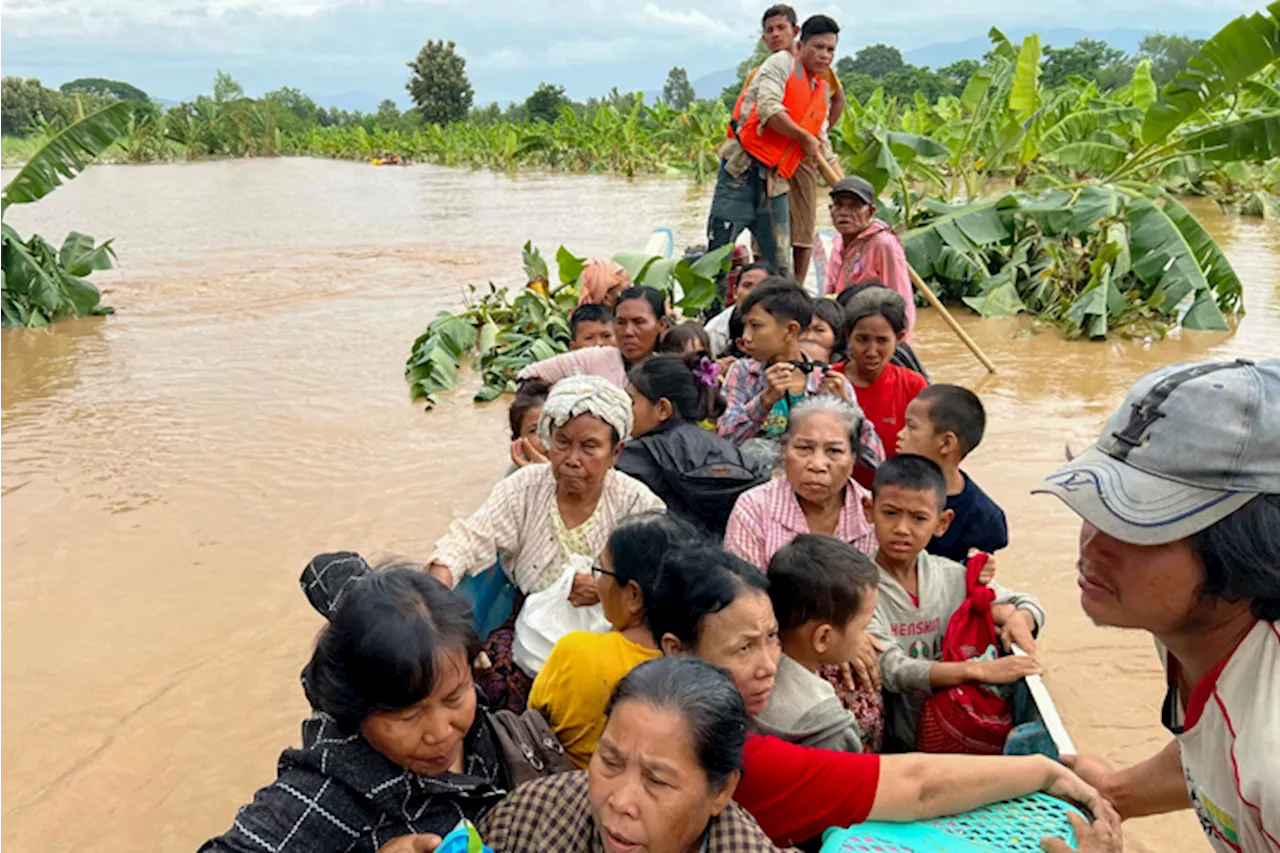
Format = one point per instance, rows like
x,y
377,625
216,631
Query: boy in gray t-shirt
x,y
919,592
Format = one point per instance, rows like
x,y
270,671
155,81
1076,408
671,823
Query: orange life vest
x,y
806,104
736,120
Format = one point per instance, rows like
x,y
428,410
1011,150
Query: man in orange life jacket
x,y
781,120
780,28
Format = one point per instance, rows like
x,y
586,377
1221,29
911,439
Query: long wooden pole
x,y
830,175
949,320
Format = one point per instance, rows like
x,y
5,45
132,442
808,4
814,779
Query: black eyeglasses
x,y
597,570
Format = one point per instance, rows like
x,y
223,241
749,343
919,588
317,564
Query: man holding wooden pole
x,y
832,177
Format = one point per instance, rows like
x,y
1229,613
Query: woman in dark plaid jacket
x,y
396,747
661,779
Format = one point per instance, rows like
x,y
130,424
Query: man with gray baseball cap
x,y
865,249
1180,501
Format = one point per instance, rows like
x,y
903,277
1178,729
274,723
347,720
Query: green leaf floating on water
x,y
1217,270
1161,255
80,257
1204,315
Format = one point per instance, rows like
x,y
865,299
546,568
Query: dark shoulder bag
x,y
528,746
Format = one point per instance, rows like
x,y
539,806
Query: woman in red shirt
x,y
874,328
716,606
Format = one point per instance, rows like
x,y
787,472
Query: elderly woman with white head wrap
x,y
546,517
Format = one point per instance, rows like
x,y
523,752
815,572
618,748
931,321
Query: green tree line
x,y
442,92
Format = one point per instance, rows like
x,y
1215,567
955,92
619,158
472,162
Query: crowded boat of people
x,y
737,588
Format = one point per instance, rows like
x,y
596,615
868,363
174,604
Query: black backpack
x,y
704,491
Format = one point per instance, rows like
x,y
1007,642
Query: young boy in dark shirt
x,y
944,423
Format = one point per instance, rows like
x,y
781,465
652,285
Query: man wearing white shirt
x,y
1180,499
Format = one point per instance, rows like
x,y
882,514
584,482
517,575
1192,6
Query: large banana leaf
x,y
999,296
976,88
891,156
1077,126
1166,261
1053,209
1218,271
569,265
1097,158
1024,97
80,257
68,153
1000,44
1238,51
1089,312
966,229
713,263
1255,138
1143,87
1267,96
25,275
636,264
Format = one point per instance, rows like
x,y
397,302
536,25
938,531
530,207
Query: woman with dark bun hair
x,y
573,687
661,781
697,474
712,605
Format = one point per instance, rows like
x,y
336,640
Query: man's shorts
x,y
802,199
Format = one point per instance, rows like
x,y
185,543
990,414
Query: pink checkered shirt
x,y
769,516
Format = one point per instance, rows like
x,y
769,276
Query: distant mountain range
x,y
939,55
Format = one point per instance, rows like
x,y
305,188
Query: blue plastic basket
x,y
1015,826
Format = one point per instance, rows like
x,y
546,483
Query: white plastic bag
x,y
549,615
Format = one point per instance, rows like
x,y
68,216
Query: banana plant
x,y
38,284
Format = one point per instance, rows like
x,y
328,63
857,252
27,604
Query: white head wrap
x,y
585,395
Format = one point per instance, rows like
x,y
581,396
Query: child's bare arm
x,y
1002,671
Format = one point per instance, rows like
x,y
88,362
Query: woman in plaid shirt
x,y
396,746
661,780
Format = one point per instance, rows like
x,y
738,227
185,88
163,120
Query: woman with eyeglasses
x,y
573,687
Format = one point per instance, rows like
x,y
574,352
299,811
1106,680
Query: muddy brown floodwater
x,y
168,471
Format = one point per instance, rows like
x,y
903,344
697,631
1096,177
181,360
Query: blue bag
x,y
491,595
463,839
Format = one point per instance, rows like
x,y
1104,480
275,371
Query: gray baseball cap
x,y
1191,444
855,186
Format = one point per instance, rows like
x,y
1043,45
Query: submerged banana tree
x,y
504,333
41,284
1089,237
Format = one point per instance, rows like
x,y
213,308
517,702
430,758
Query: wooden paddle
x,y
831,175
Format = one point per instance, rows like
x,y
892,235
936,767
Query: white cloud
x,y
172,47
694,23
506,57
586,51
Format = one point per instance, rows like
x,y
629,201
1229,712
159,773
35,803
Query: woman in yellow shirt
x,y
574,685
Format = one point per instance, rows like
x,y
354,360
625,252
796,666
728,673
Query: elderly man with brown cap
x,y
1180,501
865,249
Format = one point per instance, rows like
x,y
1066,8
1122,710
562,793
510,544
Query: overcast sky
x,y
171,48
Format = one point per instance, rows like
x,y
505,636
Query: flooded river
x,y
168,471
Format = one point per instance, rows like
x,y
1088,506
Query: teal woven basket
x,y
1015,826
